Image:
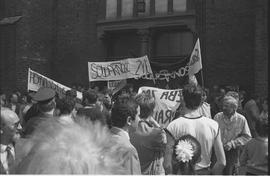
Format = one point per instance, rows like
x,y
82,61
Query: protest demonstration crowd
x,y
214,131
53,129
124,87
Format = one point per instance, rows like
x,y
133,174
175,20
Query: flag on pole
x,y
195,62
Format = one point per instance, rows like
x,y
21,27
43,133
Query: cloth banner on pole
x,y
36,80
167,102
118,70
195,62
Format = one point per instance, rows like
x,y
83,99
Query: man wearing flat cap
x,y
45,98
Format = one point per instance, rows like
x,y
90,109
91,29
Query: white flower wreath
x,y
184,151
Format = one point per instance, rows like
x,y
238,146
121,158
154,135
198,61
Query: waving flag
x,y
195,62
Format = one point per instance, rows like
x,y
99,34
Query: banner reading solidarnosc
x,y
167,101
117,70
36,80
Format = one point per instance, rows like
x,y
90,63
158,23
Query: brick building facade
x,y
57,38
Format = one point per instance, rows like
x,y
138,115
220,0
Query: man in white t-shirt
x,y
204,129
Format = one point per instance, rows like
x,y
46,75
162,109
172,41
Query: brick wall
x,y
76,40
33,39
54,38
261,48
229,40
57,38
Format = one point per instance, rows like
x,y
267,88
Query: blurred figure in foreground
x,y
77,148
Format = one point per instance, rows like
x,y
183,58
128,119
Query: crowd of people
x,y
216,131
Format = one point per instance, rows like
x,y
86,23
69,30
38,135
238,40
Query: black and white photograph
x,y
134,87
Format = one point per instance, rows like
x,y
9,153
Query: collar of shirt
x,y
4,148
226,119
125,133
90,106
263,139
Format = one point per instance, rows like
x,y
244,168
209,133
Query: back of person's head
x,y
92,114
47,106
71,93
65,105
121,111
192,96
77,148
262,127
122,98
13,97
187,152
90,97
146,103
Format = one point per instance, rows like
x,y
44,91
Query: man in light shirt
x,y
234,133
10,127
204,129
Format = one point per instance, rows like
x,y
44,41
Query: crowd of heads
x,y
53,147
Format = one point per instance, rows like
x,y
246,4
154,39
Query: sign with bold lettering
x,y
167,102
36,80
116,85
117,70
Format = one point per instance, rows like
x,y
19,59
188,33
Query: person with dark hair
x,y
94,115
13,103
89,101
125,119
93,105
149,139
66,107
187,152
254,157
46,104
204,129
3,99
252,112
264,108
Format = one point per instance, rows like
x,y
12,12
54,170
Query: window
x,y
173,43
179,5
161,6
127,8
111,9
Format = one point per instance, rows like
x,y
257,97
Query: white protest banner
x,y
167,102
36,80
195,62
117,70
